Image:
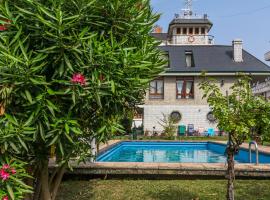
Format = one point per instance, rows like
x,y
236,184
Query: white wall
x,y
191,114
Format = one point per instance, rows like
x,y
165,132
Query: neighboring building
x,y
263,88
190,51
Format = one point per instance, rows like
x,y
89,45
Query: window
x,y
184,31
197,31
189,59
185,88
176,116
178,31
202,30
167,58
156,90
190,31
210,117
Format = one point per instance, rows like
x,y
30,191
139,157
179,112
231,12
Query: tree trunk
x,y
45,190
57,181
230,175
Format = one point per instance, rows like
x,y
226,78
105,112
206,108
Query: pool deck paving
x,y
171,169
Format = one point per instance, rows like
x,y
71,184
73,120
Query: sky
x,y
248,20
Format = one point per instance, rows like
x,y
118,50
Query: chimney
x,y
237,50
157,29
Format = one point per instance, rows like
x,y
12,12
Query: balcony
x,y
192,40
260,88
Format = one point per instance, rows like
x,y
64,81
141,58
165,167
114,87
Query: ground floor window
x,y
185,88
156,90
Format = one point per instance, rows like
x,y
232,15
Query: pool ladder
x,y
257,152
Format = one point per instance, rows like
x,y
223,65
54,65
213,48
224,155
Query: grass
x,y
162,190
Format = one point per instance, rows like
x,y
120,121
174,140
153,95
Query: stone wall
x,y
194,111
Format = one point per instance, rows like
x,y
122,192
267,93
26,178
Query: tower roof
x,y
185,21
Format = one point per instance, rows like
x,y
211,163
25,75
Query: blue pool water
x,y
174,152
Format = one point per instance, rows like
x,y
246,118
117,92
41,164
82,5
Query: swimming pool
x,y
174,152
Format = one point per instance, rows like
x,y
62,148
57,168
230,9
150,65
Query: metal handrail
x,y
257,152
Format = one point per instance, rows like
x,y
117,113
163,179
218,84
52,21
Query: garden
x,y
70,72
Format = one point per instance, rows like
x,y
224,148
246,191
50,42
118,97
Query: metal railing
x,y
257,152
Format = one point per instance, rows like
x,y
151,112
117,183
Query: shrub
x,y
12,175
168,124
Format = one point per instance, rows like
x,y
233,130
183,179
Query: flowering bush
x,y
78,78
12,174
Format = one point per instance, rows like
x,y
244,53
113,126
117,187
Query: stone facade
x,y
193,111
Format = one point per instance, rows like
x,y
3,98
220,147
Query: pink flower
x,y
13,171
4,175
5,197
78,78
5,166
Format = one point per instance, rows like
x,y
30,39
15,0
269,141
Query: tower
x,y
188,28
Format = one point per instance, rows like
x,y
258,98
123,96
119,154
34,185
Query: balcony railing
x,y
192,40
259,88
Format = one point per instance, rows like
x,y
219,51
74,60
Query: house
x,y
190,51
263,88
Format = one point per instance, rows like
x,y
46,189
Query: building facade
x,y
190,50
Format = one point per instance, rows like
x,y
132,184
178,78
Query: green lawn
x,y
162,190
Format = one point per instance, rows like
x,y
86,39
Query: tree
x,y
69,71
168,123
237,113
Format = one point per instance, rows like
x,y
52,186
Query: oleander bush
x,y
70,70
12,177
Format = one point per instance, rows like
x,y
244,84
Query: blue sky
x,y
245,19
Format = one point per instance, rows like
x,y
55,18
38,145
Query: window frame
x,y
156,95
192,62
183,93
166,55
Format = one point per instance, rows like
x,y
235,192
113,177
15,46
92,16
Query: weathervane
x,y
188,8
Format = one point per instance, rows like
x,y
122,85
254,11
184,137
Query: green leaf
x,y
22,143
41,131
67,128
53,141
113,86
28,96
29,121
20,182
12,119
13,146
68,63
102,129
69,138
10,192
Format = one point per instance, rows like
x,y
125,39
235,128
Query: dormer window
x,y
189,59
178,31
167,58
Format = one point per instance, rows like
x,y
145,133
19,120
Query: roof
x,y
212,58
191,21
159,36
